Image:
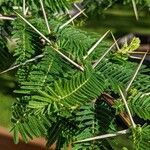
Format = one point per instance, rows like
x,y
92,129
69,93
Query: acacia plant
x,y
72,85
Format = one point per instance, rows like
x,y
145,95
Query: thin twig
x,y
65,24
115,41
46,39
22,64
127,108
135,9
104,136
136,72
80,9
45,17
96,44
97,62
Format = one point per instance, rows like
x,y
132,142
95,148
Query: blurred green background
x,y
121,21
7,84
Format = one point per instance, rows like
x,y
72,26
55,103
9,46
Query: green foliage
x,y
141,137
76,47
142,83
30,127
116,74
55,99
24,50
125,51
119,106
83,87
51,5
91,124
140,105
145,144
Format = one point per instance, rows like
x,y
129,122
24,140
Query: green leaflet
x,y
126,49
91,123
56,6
52,6
76,47
141,137
16,135
61,132
116,74
83,87
25,49
140,105
24,38
142,82
30,127
42,73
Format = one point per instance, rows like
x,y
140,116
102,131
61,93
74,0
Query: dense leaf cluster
x,y
57,100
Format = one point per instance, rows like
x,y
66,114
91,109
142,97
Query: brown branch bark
x,y
123,115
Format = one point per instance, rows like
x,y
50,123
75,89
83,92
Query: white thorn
x,y
22,64
96,44
80,9
26,11
70,17
127,108
65,24
60,53
135,9
97,62
24,7
45,17
115,41
6,18
136,72
42,35
104,136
